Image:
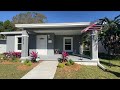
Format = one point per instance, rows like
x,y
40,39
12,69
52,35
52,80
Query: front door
x,y
42,44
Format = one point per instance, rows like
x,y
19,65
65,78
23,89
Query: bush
x,y
68,63
12,55
64,56
60,60
86,53
34,56
61,65
28,63
71,62
14,60
5,58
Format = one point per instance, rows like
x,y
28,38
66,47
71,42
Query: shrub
x,y
34,56
5,58
86,53
15,60
68,63
61,65
64,56
71,62
12,55
60,60
16,54
28,63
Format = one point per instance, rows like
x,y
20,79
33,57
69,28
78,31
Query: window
x,y
68,44
18,45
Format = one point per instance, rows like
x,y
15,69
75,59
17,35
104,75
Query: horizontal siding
x,y
2,46
10,43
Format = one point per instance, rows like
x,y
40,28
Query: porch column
x,y
81,49
94,45
24,53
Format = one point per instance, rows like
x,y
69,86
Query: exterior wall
x,y
10,43
32,43
50,46
59,42
2,46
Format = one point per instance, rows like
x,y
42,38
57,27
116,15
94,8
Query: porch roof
x,y
53,25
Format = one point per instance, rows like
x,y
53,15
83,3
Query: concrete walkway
x,y
44,70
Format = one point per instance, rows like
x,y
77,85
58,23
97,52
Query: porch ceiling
x,y
60,32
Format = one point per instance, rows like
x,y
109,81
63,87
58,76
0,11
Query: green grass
x,y
9,71
92,72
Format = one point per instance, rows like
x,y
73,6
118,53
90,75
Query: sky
x,y
65,16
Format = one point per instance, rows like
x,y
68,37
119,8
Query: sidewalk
x,y
45,70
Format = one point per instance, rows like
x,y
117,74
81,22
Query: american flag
x,y
96,25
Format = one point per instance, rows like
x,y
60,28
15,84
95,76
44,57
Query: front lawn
x,y
11,66
14,70
91,72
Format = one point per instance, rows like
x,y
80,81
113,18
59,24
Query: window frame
x,y
68,44
16,43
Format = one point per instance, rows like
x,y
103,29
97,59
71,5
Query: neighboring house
x,y
45,38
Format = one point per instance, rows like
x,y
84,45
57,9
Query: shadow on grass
x,y
108,57
109,64
110,71
113,72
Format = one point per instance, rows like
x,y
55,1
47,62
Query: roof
x,y
93,26
13,32
47,25
53,25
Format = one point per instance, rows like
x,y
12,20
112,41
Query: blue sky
x,y
65,16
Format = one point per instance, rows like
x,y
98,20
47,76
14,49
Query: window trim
x,y
16,44
71,44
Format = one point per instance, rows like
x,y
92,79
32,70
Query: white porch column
x,y
94,45
24,53
81,49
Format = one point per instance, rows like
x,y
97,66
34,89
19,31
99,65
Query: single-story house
x,y
46,38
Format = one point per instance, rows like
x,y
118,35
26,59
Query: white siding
x,y
2,46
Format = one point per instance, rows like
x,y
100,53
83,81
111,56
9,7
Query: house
x,y
47,38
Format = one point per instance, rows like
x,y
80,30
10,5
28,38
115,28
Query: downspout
x,y
101,66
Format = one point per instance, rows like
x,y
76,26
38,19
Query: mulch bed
x,y
25,67
21,66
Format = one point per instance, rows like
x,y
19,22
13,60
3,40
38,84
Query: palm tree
x,y
110,34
